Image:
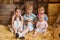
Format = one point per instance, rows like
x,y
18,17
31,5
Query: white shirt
x,y
42,24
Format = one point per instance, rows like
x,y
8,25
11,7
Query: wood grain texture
x,y
5,19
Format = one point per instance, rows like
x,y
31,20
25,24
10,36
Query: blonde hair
x,y
29,5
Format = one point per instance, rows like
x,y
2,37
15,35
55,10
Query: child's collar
x,y
29,14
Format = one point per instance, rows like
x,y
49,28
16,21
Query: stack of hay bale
x,y
53,13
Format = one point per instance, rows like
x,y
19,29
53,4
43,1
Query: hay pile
x,y
46,36
5,34
57,33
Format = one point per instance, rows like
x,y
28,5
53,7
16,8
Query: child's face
x,y
18,12
41,10
41,18
29,10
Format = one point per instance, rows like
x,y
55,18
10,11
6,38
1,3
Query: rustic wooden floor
x,y
5,34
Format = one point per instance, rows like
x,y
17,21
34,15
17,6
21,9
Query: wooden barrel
x,y
6,13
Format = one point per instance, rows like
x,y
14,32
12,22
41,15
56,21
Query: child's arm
x,y
35,20
25,19
37,25
22,22
13,22
21,25
46,17
46,25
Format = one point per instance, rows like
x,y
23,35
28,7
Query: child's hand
x,y
29,19
26,22
33,22
38,26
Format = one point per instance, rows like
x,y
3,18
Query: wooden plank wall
x,y
6,12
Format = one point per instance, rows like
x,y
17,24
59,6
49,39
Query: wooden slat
x,y
4,13
54,0
6,10
52,19
16,1
53,9
4,1
5,19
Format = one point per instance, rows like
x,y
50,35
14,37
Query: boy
x,y
29,20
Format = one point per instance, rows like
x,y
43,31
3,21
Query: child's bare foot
x,y
34,35
11,30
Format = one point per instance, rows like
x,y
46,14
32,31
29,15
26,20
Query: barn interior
x,y
52,9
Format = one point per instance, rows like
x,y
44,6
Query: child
x,y
41,11
17,21
41,26
29,20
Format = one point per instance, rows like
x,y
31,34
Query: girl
x,y
41,11
17,22
41,26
